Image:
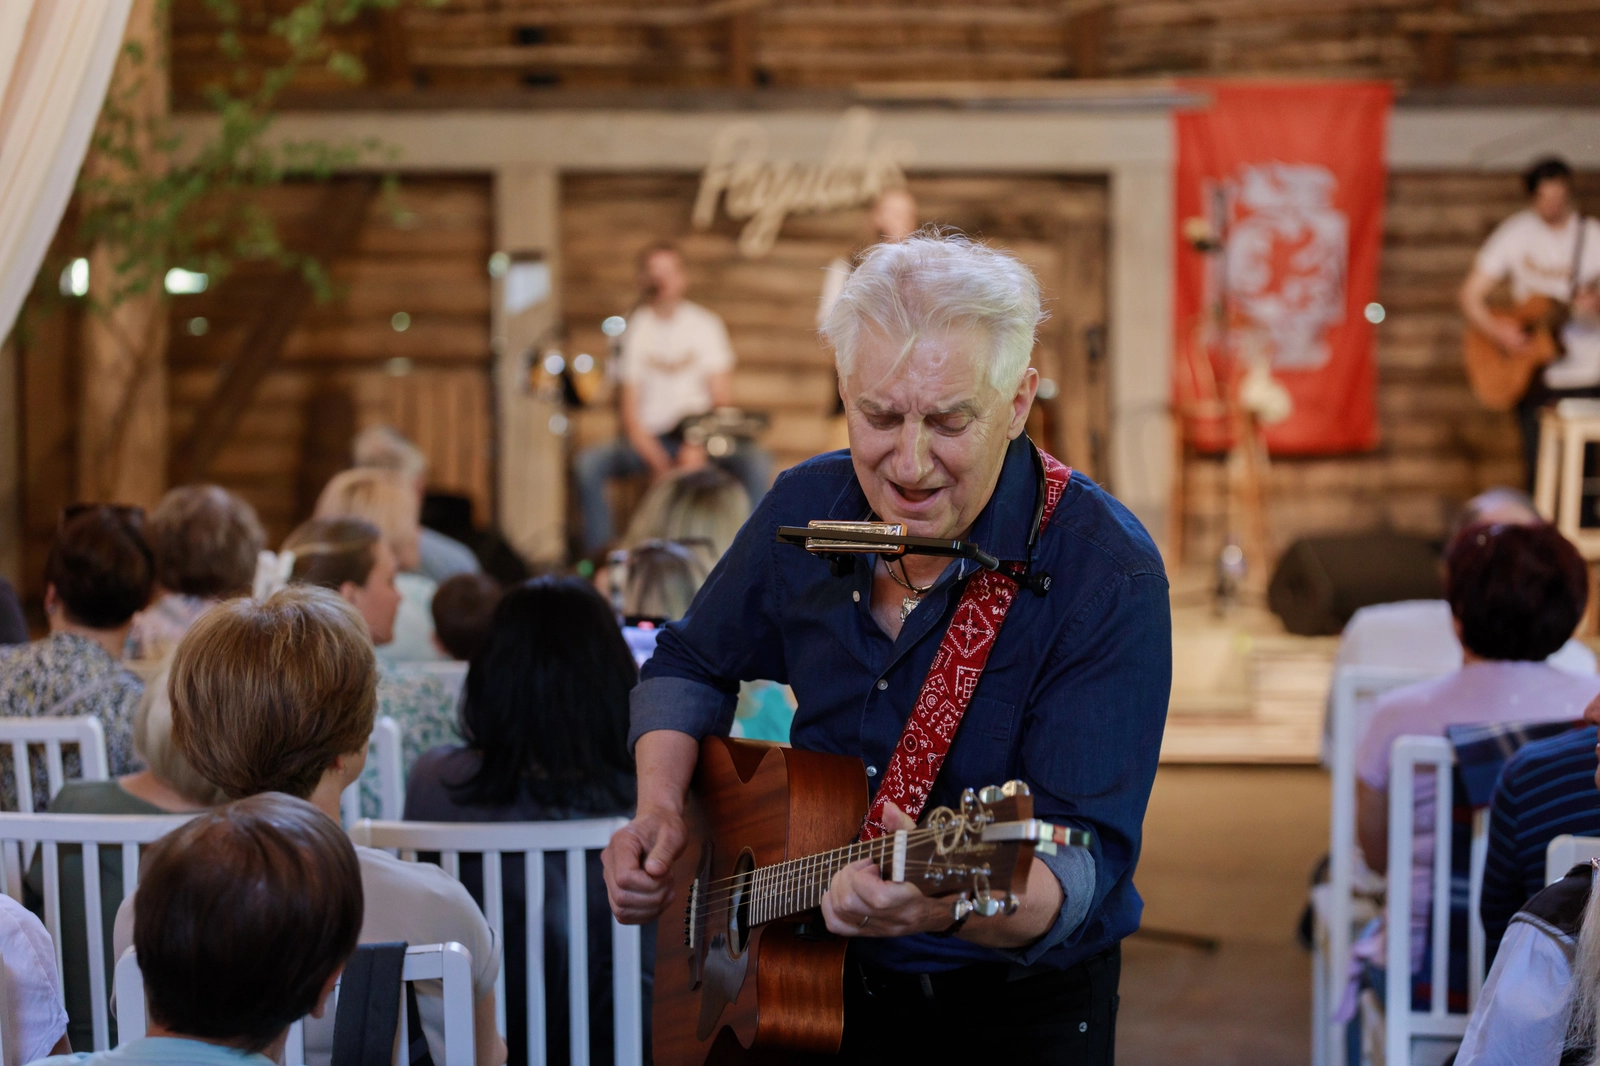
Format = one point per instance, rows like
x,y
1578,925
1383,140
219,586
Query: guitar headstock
x,y
981,851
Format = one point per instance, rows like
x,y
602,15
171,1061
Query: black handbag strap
x,y
369,1010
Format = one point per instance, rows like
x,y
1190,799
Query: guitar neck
x,y
786,889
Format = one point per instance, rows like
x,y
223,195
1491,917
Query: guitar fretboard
x,y
788,888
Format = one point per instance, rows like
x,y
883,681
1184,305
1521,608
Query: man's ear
x,y
1022,402
327,990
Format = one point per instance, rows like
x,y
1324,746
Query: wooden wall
x,y
1438,446
1056,225
515,44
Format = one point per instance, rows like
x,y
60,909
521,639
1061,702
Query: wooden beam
x,y
577,15
1086,40
1438,46
344,210
390,61
563,55
741,46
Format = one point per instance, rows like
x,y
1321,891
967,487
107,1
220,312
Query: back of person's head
x,y
662,578
1550,168
382,497
243,917
546,702
463,613
205,541
386,448
267,694
1499,506
152,742
1517,591
707,504
332,551
101,566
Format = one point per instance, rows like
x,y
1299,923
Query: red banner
x,y
1280,191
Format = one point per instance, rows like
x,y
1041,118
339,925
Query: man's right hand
x,y
1510,337
638,864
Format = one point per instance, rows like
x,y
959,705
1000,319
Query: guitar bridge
x,y
691,930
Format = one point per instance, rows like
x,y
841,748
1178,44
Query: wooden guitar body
x,y
758,804
1498,378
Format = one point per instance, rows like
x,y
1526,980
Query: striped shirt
x,y
1545,790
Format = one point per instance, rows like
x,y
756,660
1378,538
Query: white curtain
x,y
56,58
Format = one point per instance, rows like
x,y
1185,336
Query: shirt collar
x,y
171,1049
1001,528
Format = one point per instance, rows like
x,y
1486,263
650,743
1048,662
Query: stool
x,y
1564,430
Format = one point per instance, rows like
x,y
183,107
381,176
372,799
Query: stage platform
x,y
1243,690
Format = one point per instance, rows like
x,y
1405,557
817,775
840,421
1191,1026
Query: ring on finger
x,y
865,918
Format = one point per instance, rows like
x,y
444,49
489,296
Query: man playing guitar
x,y
932,337
1550,250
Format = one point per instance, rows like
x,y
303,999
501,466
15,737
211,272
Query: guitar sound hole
x,y
739,904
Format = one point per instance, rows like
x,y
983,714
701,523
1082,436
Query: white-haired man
x,y
932,336
386,448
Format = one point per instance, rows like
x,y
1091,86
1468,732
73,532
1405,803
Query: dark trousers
x,y
982,1013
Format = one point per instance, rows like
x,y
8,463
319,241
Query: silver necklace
x,y
909,603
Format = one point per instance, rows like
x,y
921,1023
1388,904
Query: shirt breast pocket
x,y
983,742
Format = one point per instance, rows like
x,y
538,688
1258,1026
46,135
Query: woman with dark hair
x,y
545,719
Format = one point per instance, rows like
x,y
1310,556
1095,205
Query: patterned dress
x,y
423,702
67,676
157,629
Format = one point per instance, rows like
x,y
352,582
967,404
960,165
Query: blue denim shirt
x,y
1073,700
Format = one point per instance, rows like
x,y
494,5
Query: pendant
x,y
907,605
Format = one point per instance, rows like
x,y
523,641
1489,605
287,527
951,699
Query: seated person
x,y
167,785
242,922
1545,790
98,575
1540,999
279,695
205,541
389,503
676,364
703,507
349,557
1516,594
386,448
36,1023
463,614
545,719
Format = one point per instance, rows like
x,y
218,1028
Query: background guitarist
x,y
1540,251
932,337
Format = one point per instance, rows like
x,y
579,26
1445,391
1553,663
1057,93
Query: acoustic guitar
x,y
745,967
1498,378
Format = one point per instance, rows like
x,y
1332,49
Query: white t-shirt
x,y
670,363
1538,260
35,1018
412,901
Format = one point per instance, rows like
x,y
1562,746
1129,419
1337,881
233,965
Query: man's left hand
x,y
861,903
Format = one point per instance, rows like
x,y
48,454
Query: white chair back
x,y
20,733
527,843
384,746
1354,689
1402,1025
1567,851
449,963
51,831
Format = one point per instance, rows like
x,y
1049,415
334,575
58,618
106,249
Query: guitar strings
x,y
776,872
789,896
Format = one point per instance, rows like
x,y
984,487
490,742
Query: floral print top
x,y
422,699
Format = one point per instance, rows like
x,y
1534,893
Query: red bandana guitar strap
x,y
953,677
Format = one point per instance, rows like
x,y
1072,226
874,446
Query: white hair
x,y
932,282
386,448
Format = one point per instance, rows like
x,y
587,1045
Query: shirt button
x,y
872,771
882,685
856,596
1083,1027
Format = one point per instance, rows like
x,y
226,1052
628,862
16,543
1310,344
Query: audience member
x,y
463,611
386,448
349,556
242,922
1516,593
545,719
387,501
34,1023
167,785
705,506
98,574
1545,790
205,541
13,623
279,696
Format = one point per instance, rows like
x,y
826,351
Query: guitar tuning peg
x,y
1010,907
1015,788
991,794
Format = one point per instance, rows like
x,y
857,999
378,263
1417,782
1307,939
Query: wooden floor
x,y
1228,851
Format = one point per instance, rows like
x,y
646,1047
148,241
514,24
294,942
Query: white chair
x,y
449,963
51,831
385,747
527,842
1567,851
1404,1027
20,733
1354,690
